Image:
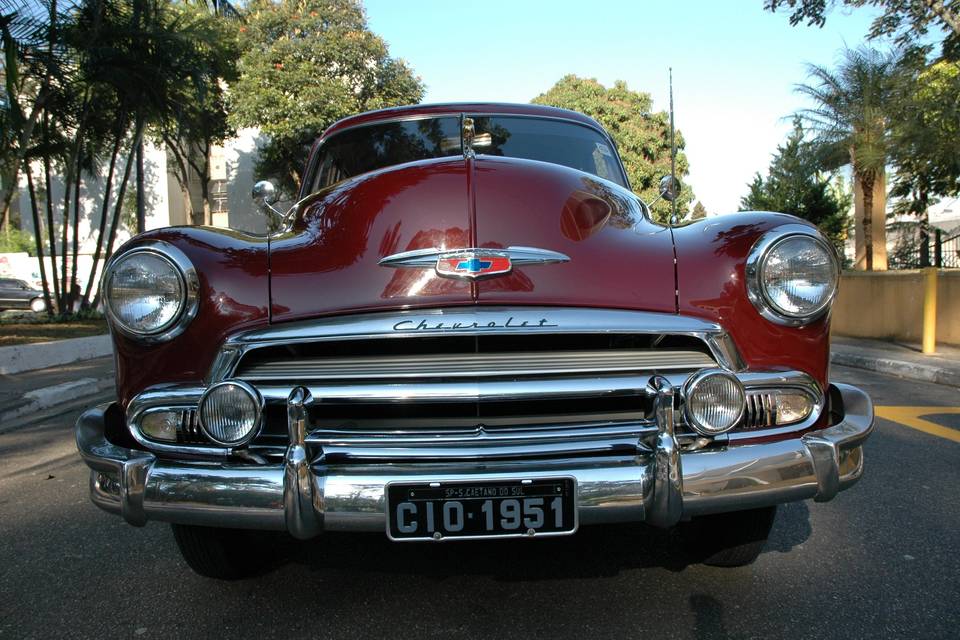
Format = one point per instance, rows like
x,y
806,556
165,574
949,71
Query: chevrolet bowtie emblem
x,y
472,264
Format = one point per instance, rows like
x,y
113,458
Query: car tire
x,y
37,305
224,554
730,539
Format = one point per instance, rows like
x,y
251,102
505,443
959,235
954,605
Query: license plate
x,y
466,510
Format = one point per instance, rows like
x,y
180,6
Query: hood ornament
x,y
473,263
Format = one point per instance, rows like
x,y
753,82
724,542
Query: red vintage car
x,y
469,327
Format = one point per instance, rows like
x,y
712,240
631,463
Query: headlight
x,y
714,402
230,413
792,275
151,292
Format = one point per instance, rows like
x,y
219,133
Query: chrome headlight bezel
x,y
255,398
190,285
688,390
756,261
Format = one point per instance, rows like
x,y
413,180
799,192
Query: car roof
x,y
417,110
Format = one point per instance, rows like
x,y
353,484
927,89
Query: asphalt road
x,y
880,561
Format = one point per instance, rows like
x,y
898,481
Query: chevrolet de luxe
x,y
469,327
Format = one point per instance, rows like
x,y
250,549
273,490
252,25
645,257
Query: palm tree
x,y
850,123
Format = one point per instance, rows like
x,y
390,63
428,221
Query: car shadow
x,y
790,529
595,551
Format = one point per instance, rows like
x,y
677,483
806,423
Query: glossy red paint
x,y
618,259
329,262
711,257
232,268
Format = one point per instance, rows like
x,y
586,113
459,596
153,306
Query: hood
x,y
329,262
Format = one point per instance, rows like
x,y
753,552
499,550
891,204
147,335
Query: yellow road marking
x,y
910,417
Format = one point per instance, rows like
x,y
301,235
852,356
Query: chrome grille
x,y
761,410
472,365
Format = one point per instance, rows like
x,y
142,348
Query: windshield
x,y
371,147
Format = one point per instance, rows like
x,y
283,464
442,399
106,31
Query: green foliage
x,y
305,65
699,211
851,124
794,184
642,135
13,240
907,22
925,147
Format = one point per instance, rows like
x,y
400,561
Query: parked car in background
x,y
17,294
470,327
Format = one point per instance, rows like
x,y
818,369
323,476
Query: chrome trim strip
x,y
427,258
473,365
424,392
482,443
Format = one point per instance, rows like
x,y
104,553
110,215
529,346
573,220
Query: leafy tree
x,y
699,211
198,120
925,143
642,135
306,64
908,22
795,184
850,123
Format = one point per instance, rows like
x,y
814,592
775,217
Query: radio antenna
x,y
673,157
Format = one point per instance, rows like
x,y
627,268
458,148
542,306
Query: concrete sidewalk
x,y
903,360
29,392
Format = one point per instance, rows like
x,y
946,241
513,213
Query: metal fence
x,y
934,249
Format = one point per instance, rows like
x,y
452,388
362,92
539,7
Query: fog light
x,y
161,425
230,413
714,402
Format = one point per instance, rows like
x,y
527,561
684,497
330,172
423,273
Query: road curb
x,y
42,355
900,368
58,394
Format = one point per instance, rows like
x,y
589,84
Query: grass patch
x,y
27,328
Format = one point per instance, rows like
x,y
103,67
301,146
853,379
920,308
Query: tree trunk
x,y
948,16
866,182
65,218
118,207
104,209
141,204
38,238
51,229
74,285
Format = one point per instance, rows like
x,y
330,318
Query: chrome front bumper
x,y
306,496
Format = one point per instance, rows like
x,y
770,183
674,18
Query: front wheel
x,y
224,554
728,539
37,305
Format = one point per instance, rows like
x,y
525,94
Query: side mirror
x,y
669,188
264,194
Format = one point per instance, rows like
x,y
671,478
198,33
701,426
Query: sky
x,y
735,65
